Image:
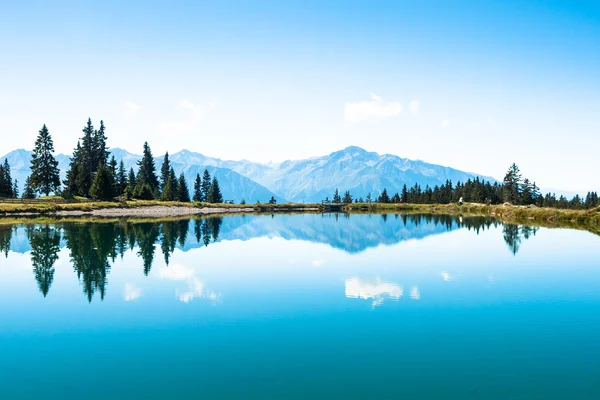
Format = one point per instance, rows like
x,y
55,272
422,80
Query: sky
x,y
475,85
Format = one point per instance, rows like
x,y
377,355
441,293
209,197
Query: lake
x,y
299,306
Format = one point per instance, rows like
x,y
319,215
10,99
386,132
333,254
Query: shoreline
x,y
551,217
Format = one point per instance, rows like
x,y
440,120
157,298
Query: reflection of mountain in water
x,y
93,247
351,233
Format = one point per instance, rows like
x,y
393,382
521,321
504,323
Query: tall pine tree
x,y
206,186
45,175
198,189
183,190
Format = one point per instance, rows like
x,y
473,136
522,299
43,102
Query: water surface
x,y
300,306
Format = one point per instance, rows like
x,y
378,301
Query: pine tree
x,y
121,179
86,164
168,193
184,191
100,151
215,192
206,186
404,195
336,197
147,174
15,189
131,180
511,187
103,185
6,184
384,197
347,197
198,189
71,187
165,170
28,191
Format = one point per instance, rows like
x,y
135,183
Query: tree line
x,y
91,174
514,189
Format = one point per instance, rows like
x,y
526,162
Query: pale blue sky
x,y
474,85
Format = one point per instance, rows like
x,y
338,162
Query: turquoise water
x,y
302,306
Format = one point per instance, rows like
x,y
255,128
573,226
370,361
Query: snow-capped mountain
x,y
353,169
309,180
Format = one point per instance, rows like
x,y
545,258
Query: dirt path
x,y
155,211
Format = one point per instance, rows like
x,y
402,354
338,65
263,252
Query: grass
x,y
582,219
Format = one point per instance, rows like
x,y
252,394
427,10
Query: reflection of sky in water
x,y
453,300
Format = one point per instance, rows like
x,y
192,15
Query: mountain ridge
x,y
310,180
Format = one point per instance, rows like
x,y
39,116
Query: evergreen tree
x,y
165,171
86,164
146,175
184,191
347,197
103,185
404,195
384,197
169,191
197,189
100,151
15,189
6,184
215,192
511,192
28,191
336,197
71,183
121,179
206,187
131,180
272,200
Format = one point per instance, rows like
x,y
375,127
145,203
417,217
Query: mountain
x,y
353,168
309,180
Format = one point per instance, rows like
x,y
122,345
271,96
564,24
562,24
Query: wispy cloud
x,y
131,108
445,123
376,290
196,288
415,294
197,111
414,106
131,293
373,110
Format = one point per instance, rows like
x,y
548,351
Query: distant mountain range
x,y
309,180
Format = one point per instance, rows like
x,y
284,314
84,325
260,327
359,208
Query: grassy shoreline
x,y
550,217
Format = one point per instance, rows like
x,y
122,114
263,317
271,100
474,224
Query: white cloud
x,y
373,110
196,288
414,293
197,111
413,106
357,288
131,293
131,108
445,123
446,276
317,263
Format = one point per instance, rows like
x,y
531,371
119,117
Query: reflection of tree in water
x,y
146,234
45,245
514,235
91,245
5,238
207,229
171,234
